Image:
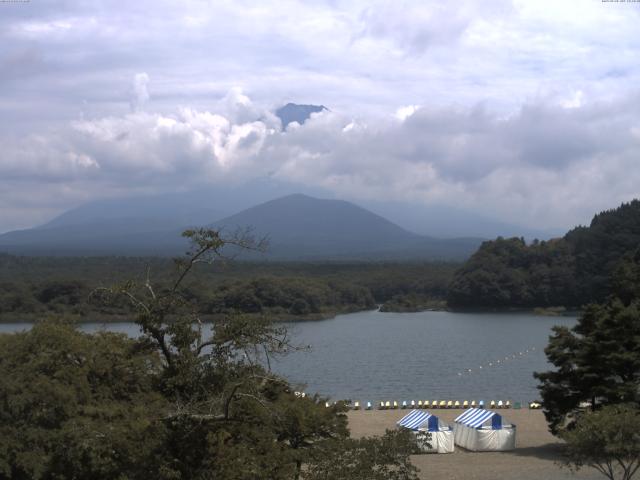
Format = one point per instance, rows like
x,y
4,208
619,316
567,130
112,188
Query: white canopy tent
x,y
482,430
431,436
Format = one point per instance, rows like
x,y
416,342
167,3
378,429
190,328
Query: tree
x,y
74,405
305,424
184,401
231,417
381,458
570,271
607,440
598,360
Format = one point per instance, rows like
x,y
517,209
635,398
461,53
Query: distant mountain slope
x,y
446,221
101,237
570,271
300,227
132,226
292,112
169,210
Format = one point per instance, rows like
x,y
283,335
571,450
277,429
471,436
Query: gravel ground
x,y
535,457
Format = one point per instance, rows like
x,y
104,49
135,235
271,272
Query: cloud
x,y
415,27
544,165
139,92
526,109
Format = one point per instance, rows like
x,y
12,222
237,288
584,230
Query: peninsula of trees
x,y
570,271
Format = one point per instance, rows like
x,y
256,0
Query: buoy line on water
x,y
498,362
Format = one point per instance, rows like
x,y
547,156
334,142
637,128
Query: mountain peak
x,y
293,112
304,227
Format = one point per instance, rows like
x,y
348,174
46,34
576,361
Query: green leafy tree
x,y
607,440
231,417
369,458
571,271
598,360
305,424
187,400
74,405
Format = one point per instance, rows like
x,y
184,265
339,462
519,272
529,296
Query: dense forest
x,y
570,271
505,273
31,287
175,403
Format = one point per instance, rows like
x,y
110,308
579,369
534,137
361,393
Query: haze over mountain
x,y
299,227
205,205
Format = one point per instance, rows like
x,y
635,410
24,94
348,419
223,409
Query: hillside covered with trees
x,y
570,271
34,287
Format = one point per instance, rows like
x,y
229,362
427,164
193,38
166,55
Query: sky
x,y
523,111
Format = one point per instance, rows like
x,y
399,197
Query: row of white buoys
x,y
356,406
498,362
456,404
442,404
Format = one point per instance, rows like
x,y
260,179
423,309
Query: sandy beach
x,y
534,458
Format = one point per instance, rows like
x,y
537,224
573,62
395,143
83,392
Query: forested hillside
x,y
570,271
33,287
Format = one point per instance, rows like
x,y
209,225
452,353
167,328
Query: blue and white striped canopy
x,y
415,419
475,417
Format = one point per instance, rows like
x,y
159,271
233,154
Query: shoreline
x,y
31,318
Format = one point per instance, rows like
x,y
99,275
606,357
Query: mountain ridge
x,y
300,227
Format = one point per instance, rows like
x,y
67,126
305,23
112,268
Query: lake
x,y
372,356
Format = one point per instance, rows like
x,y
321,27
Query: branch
x,y
148,284
189,266
204,345
227,402
136,301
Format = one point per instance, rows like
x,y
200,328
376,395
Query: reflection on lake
x,y
373,355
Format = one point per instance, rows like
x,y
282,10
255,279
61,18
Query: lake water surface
x,y
371,356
